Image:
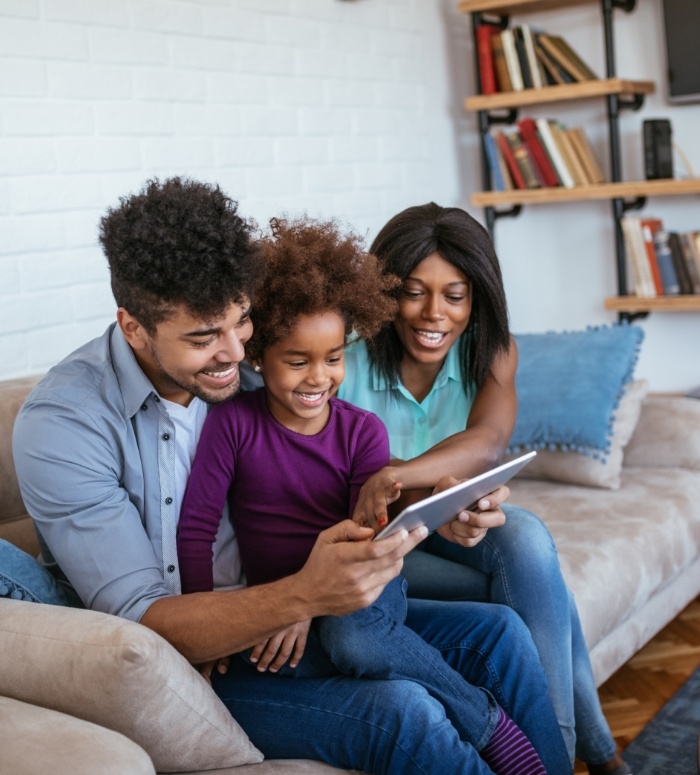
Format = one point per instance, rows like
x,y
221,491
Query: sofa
x,y
85,692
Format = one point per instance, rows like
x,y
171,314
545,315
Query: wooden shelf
x,y
559,93
507,7
625,190
634,304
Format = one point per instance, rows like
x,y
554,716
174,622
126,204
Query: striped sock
x,y
509,752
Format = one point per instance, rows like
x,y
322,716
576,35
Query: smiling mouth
x,y
430,338
220,374
311,399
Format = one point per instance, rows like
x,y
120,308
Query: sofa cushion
x,y
572,467
122,676
569,385
35,740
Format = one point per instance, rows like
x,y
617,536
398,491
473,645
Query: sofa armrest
x,y
667,434
121,676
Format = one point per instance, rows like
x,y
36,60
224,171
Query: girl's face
x,y
434,308
303,370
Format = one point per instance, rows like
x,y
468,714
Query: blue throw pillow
x,y
24,578
569,385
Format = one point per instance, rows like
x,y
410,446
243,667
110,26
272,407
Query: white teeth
x,y
431,336
219,374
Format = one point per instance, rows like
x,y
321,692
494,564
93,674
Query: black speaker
x,y
658,156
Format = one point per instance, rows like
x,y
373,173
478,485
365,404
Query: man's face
x,y
188,356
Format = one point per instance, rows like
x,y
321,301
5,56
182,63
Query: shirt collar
x,y
449,371
133,383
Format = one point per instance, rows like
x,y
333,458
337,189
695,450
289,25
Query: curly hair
x,y
178,242
418,232
312,267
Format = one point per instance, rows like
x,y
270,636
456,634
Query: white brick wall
x,y
331,107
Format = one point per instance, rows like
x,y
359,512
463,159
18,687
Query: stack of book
x,y
662,263
540,153
517,58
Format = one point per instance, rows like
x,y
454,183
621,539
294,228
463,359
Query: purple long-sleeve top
x,y
283,488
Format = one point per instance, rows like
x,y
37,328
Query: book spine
x,y
510,160
664,259
500,65
497,182
572,56
649,226
528,131
634,245
533,62
679,263
487,72
583,145
508,42
522,57
522,157
549,43
554,154
566,152
688,247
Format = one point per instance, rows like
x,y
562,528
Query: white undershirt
x,y
188,422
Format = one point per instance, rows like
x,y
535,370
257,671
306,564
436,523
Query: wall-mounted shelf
x,y
559,93
635,305
624,190
517,6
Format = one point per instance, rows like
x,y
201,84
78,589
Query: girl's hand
x,y
206,668
470,527
288,644
376,494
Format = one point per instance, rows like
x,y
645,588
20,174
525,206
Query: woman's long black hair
x,y
413,235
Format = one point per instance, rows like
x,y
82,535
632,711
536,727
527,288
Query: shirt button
x,y
171,569
144,407
168,500
166,436
156,399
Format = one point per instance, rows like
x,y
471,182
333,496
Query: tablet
x,y
437,510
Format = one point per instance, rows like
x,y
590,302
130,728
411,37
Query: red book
x,y
528,131
511,161
487,71
649,228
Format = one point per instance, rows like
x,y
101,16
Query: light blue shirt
x,y
413,427
95,453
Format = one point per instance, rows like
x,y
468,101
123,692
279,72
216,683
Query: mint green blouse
x,y
413,427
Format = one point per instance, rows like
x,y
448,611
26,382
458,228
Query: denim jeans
x,y
517,565
395,727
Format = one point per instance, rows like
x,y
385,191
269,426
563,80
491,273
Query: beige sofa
x,y
83,692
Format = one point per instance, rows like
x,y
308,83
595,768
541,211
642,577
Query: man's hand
x,y
206,668
347,571
470,527
376,494
287,645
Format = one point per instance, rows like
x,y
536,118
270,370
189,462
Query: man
x,y
103,447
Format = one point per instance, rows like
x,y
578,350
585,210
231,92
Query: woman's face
x,y
434,308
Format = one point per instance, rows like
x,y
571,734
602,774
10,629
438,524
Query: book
x,y
554,72
522,57
664,259
567,152
695,236
499,62
649,227
538,79
688,248
552,149
497,182
507,177
560,51
512,164
487,70
511,56
528,131
679,263
525,163
585,153
637,255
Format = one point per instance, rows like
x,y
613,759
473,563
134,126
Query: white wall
x,y
350,109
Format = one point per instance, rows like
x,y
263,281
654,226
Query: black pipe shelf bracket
x,y
634,102
633,204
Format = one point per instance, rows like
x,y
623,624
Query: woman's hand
x,y
376,494
287,645
206,668
470,527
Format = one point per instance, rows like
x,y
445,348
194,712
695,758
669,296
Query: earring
x,y
257,368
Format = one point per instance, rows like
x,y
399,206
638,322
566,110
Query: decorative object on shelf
x,y
658,154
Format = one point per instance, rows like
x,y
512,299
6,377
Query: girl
x,y
442,378
291,459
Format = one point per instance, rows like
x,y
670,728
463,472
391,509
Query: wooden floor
x,y
637,691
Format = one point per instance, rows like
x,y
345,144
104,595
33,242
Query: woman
x,y
442,378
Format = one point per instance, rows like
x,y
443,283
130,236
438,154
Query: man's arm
x,y
345,572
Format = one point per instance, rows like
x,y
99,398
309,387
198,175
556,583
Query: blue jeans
x,y
396,727
517,565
